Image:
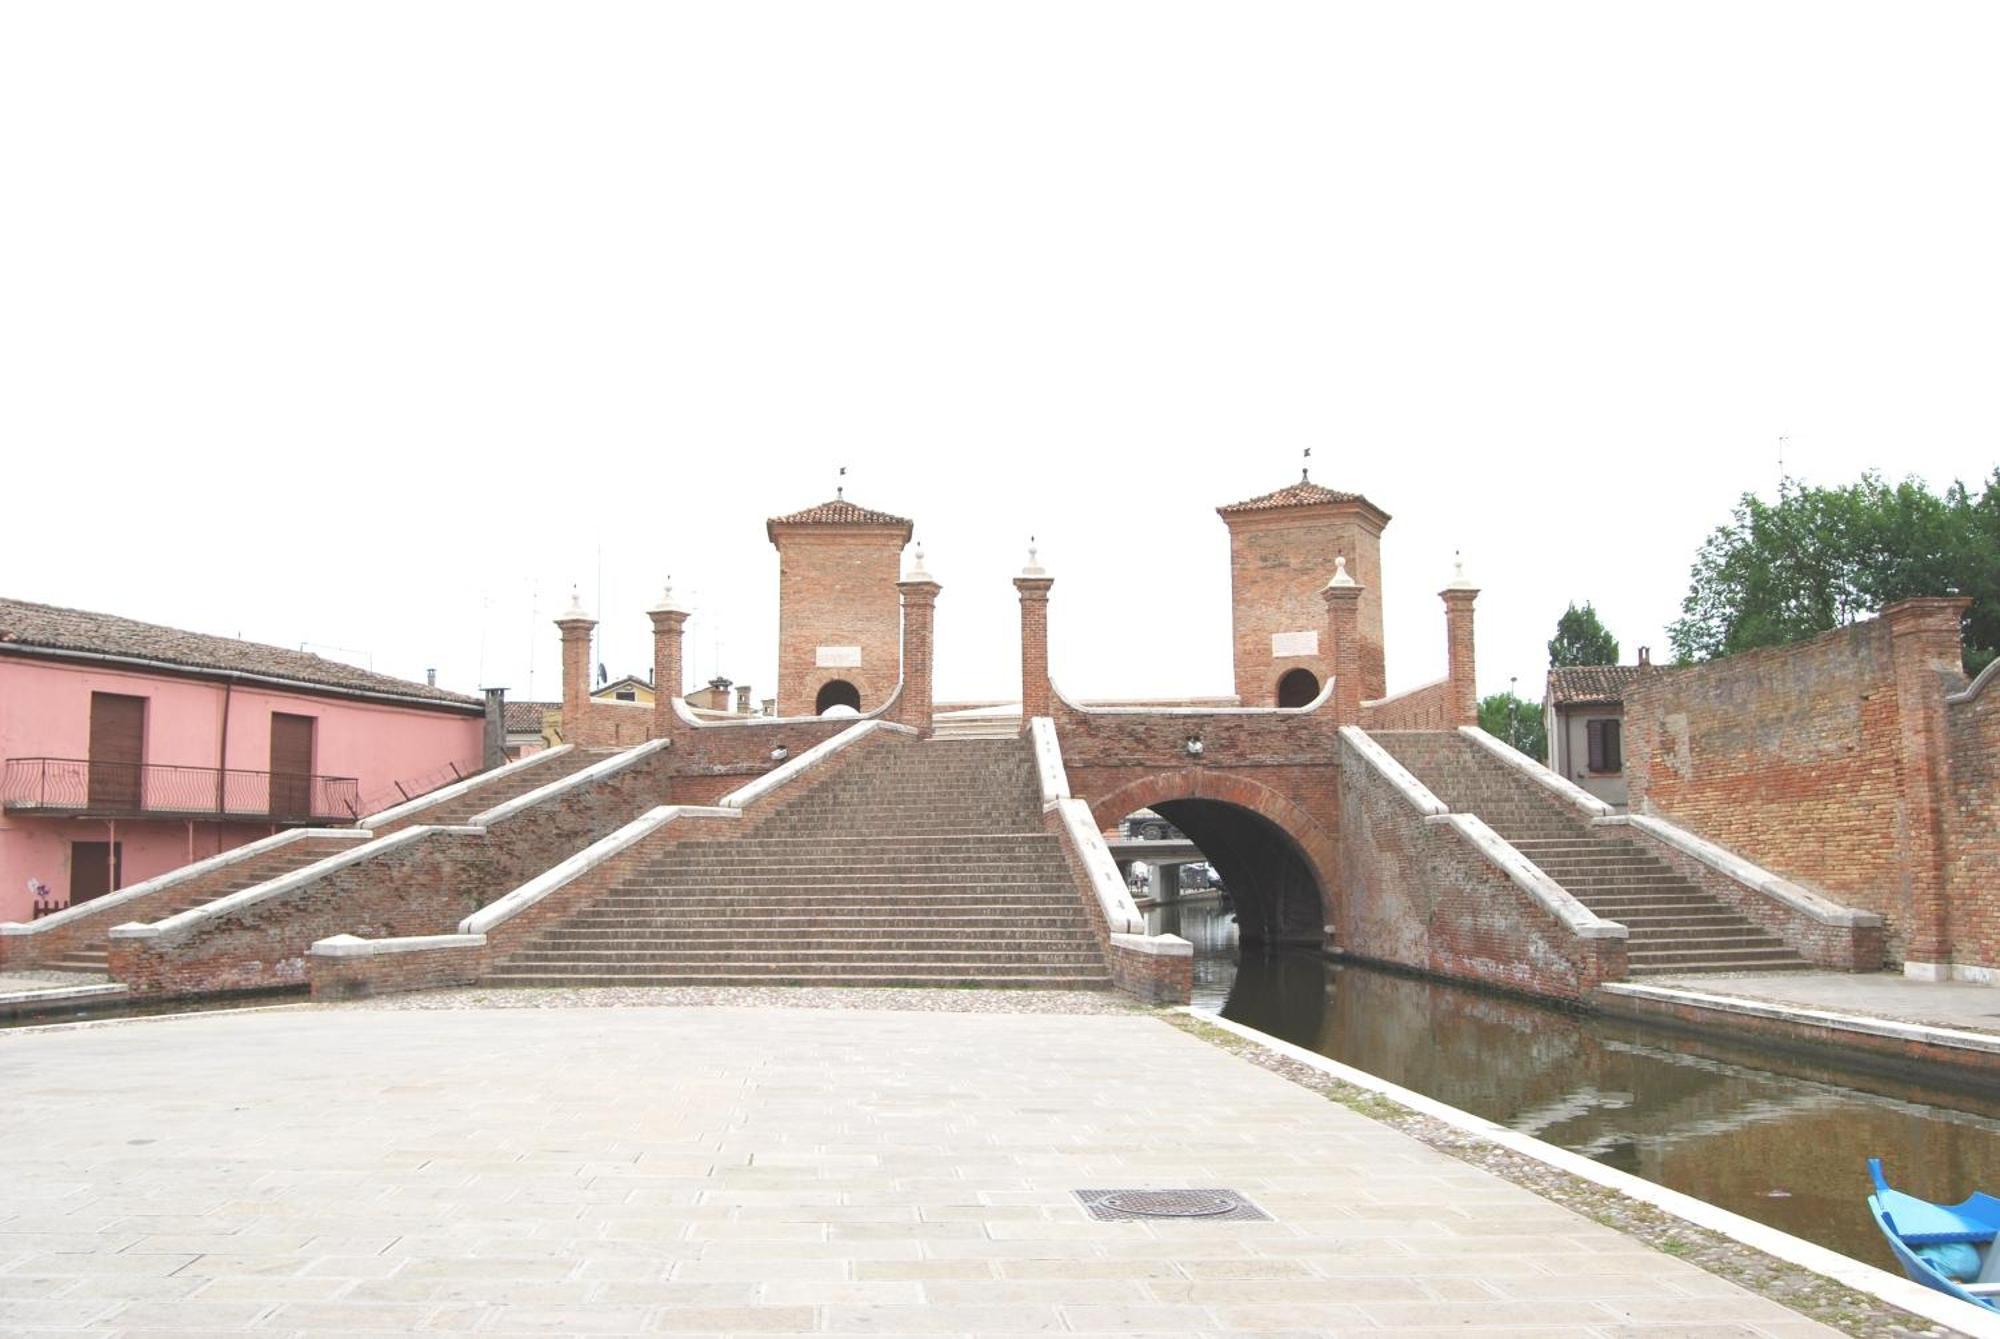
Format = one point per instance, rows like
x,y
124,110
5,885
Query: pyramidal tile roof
x,y
839,511
52,628
1304,493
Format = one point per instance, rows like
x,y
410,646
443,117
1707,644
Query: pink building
x,y
131,749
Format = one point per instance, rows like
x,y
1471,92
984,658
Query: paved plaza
x,y
747,1170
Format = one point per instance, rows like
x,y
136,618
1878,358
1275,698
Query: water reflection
x,y
1765,1134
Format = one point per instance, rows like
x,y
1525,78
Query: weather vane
x,y
839,487
1305,468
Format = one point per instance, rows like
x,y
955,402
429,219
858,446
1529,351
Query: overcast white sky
x,y
373,326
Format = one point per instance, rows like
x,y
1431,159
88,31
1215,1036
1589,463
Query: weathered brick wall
x,y
1419,895
1816,760
423,886
1275,767
52,940
837,587
1974,873
1426,708
607,724
711,761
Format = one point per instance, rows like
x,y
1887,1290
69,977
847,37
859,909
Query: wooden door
x,y
117,751
291,765
95,868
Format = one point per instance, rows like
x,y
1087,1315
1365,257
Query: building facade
x,y
839,615
1584,714
131,749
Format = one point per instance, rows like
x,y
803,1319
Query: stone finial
x,y
576,612
667,604
1340,576
1458,577
1034,567
917,572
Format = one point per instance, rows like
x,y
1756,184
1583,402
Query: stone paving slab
x,y
1953,1004
753,1171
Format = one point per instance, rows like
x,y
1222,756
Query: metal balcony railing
x,y
147,790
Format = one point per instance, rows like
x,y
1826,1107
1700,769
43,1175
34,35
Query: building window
x,y
627,695
1606,754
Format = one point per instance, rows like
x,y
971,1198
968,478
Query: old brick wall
x,y
1430,707
1278,563
1419,895
53,940
607,724
1973,876
837,587
1814,760
1275,767
422,886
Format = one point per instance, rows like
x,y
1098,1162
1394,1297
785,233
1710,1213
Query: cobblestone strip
x,y
1810,1294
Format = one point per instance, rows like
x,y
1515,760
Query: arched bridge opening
x,y
1272,858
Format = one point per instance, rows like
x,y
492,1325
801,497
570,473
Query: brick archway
x,y
1280,857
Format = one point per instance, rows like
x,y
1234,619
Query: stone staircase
x,y
499,790
976,727
1674,925
923,863
89,955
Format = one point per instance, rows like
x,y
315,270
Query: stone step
x,y
914,979
1788,962
1738,957
1033,957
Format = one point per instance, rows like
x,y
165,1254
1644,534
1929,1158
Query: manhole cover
x,y
1113,1206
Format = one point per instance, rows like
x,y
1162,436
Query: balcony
x,y
79,787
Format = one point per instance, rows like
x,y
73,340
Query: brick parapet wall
x,y
422,882
1806,759
1427,708
86,925
1973,874
1416,893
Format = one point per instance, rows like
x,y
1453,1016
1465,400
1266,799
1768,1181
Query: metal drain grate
x,y
1137,1205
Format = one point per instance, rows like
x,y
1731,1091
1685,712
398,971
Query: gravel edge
x,y
1811,1295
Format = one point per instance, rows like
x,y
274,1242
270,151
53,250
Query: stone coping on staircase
x,y
597,771
1049,769
1726,863
1121,914
1560,787
783,775
97,906
504,908
1732,866
397,812
1490,845
353,946
281,885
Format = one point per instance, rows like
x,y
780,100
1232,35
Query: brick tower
x,y
839,612
1282,548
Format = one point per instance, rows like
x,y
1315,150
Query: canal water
x,y
1772,1136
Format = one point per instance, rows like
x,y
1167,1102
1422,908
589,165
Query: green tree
x,y
1820,558
1516,721
1581,640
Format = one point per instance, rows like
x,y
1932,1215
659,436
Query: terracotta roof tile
x,y
839,512
522,716
1300,494
1574,684
53,628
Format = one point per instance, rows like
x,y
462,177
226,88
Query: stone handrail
x,y
782,775
1524,873
398,812
98,906
1976,687
1559,787
1049,767
1121,914
1400,777
284,883
616,763
1732,866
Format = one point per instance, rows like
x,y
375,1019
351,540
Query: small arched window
x,y
837,693
1298,688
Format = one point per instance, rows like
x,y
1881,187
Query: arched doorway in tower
x,y
837,693
1298,688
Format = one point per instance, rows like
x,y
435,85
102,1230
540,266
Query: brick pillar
x,y
576,626
668,620
919,611
1037,697
493,750
1464,690
1926,662
1343,635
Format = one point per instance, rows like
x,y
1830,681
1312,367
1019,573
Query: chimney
x,y
742,699
1645,656
431,677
